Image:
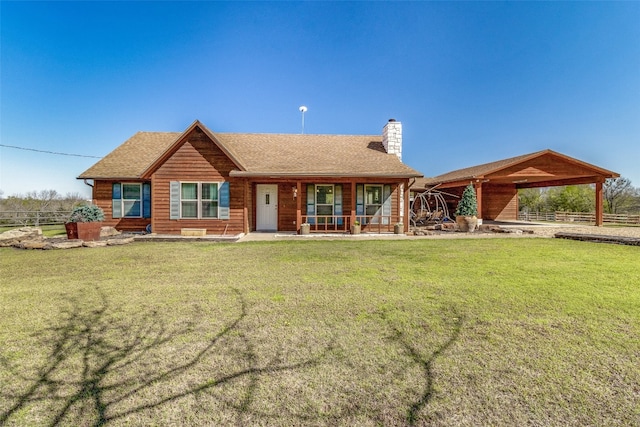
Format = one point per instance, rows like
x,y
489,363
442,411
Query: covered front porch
x,y
325,205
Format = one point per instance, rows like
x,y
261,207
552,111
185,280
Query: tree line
x,y
37,207
619,197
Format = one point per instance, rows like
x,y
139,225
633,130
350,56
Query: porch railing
x,y
342,223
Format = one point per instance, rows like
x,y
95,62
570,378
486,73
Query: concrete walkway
x,y
531,229
258,236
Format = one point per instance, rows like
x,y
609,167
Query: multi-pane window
x,y
132,200
209,200
373,201
199,200
324,203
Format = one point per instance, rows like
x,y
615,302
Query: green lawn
x,y
47,230
417,332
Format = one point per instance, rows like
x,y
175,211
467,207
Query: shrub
x,y
86,213
468,204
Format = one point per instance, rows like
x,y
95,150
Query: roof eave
x,y
250,174
112,178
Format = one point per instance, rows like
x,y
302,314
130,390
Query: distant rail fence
x,y
32,218
582,217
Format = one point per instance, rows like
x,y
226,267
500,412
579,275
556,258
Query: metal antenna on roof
x,y
303,110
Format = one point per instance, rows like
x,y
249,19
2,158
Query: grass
x,y
47,230
421,332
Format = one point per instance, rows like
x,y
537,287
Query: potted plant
x,y
398,228
305,228
467,211
355,228
85,223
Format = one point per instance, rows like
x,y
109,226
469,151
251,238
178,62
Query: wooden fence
x,y
582,217
32,218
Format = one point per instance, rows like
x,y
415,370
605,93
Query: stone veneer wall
x,y
392,138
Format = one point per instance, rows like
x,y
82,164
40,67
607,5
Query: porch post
x,y
245,207
407,202
298,205
599,204
398,204
353,202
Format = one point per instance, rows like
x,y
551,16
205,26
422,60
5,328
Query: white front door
x,y
267,207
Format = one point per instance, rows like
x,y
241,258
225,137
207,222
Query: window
x,y
209,201
189,200
324,203
198,200
131,200
373,201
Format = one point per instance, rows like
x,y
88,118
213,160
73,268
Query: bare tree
x,y
619,195
35,206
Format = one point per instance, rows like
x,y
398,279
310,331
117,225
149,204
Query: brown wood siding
x,y
286,208
500,202
548,167
452,198
197,160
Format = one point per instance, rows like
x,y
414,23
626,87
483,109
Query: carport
x,y
497,183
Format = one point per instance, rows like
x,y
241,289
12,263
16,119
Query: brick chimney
x,y
392,137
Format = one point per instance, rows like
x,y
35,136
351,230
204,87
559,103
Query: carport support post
x,y
478,187
599,204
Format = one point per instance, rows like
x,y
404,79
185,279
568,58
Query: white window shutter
x,y
386,206
174,200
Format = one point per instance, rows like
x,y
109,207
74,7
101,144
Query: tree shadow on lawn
x,y
425,362
103,365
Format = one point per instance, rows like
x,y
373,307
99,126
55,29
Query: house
x,y
497,183
231,183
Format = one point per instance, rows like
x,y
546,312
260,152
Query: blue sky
x,y
472,82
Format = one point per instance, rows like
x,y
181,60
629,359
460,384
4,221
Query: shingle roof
x,y
479,171
263,154
133,157
335,155
420,183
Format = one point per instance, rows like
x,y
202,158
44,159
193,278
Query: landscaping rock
x,y
34,244
32,238
108,232
94,243
68,244
448,226
122,241
14,237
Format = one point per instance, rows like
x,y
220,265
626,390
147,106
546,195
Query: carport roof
x,y
534,169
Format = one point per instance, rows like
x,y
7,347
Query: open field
x,y
404,332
